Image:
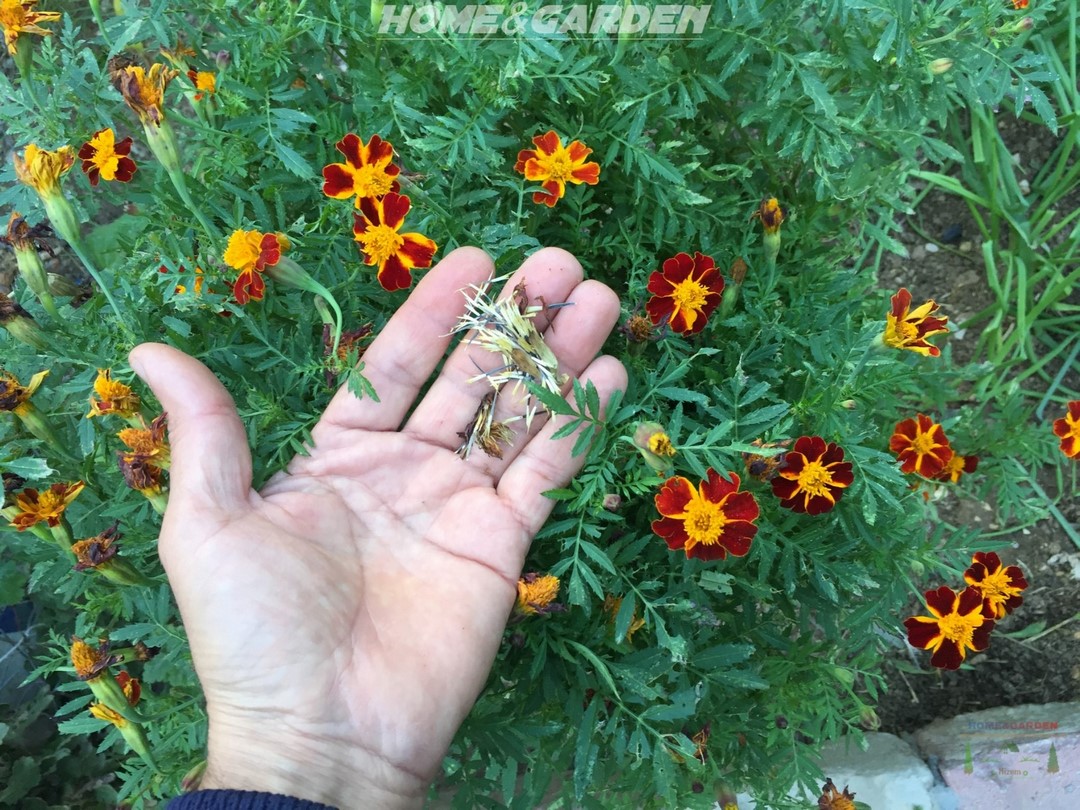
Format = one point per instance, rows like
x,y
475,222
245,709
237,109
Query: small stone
x,y
930,247
1025,186
965,247
918,252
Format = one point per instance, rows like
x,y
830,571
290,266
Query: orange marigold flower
x,y
375,230
813,476
150,442
908,329
958,622
685,292
708,522
1067,428
251,252
90,663
204,81
957,466
145,92
1000,587
833,799
96,551
367,172
41,169
105,158
140,473
771,215
48,506
921,446
18,17
113,397
555,165
14,397
536,594
1019,5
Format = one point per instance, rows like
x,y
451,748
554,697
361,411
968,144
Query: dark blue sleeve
x,y
241,800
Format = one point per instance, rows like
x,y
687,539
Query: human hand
x,y
343,620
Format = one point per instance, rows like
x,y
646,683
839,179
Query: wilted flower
x,y
367,173
14,397
536,594
1000,586
1067,428
685,292
770,214
22,239
764,467
42,169
484,431
833,799
112,397
375,229
708,522
921,446
812,477
90,663
555,165
958,623
639,329
144,92
204,81
47,506
19,17
908,329
106,158
149,442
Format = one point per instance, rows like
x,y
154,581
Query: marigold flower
x,y
612,605
958,622
1000,587
251,252
1019,5
908,329
18,17
555,165
98,550
113,397
41,169
639,329
131,687
105,158
685,292
367,172
763,467
103,712
375,230
655,446
144,92
205,83
536,594
832,799
90,663
48,506
770,214
140,473
1067,428
150,443
709,522
957,466
921,446
813,476
14,397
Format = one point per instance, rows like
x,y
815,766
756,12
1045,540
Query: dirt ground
x,y
1045,667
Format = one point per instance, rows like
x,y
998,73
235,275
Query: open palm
x,y
343,620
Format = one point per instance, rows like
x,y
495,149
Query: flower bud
x,y
844,675
869,719
18,322
939,66
612,502
655,446
193,777
849,404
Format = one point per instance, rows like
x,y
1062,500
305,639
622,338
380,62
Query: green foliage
x,y
830,106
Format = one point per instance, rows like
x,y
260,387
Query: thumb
x,y
211,462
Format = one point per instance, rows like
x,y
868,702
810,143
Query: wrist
x,y
328,771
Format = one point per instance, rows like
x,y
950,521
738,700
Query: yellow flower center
x,y
12,14
381,242
105,157
960,628
243,250
371,181
690,297
50,504
815,479
704,521
924,444
998,587
660,444
558,164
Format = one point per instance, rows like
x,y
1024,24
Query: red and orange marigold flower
x,y
770,214
251,252
44,507
1000,586
921,446
18,17
112,397
375,230
832,799
908,329
367,172
105,158
707,522
1067,428
204,81
685,292
958,622
555,165
957,466
812,477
